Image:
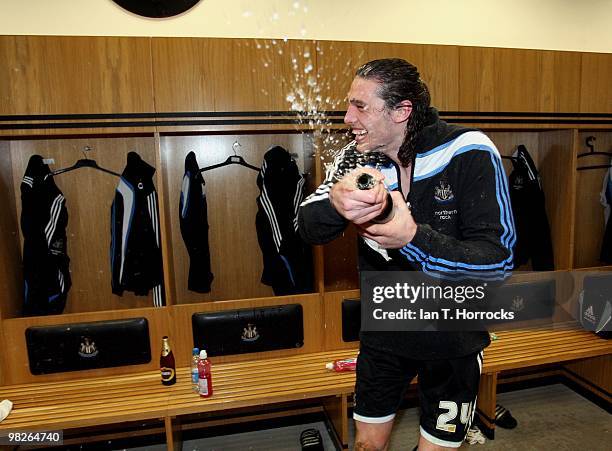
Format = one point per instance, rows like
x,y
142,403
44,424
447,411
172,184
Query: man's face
x,y
372,124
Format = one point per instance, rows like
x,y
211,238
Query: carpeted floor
x,y
549,418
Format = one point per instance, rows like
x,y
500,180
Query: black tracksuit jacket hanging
x,y
606,201
43,222
193,218
287,258
459,200
136,260
533,238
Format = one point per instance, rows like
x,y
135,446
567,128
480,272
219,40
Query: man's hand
x,y
358,206
396,233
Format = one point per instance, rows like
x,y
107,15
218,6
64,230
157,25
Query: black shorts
x,y
447,392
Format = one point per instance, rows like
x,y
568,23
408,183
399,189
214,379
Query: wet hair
x,y
399,80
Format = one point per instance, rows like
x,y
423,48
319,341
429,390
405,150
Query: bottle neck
x,y
165,348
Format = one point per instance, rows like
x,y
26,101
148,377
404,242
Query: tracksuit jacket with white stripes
x,y
606,201
136,259
528,206
459,200
193,218
287,258
43,222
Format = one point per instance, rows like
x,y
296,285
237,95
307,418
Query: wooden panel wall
x,y
228,74
340,270
336,63
16,370
67,75
438,65
559,77
10,253
236,258
556,164
477,79
596,89
89,195
493,79
590,226
341,262
53,75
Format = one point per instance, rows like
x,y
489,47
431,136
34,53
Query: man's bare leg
x,y
372,436
426,445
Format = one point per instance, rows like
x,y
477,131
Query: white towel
x,y
5,408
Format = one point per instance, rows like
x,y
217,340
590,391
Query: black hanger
x,y
506,157
232,159
589,143
85,163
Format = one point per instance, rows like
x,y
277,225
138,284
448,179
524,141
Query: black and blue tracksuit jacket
x,y
135,250
460,202
44,218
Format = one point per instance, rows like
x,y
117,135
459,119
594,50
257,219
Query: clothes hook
x,y
235,146
86,149
589,143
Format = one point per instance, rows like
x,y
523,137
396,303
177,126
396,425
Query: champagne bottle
x,y
166,364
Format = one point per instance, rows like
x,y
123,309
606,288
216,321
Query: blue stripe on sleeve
x,y
459,151
508,238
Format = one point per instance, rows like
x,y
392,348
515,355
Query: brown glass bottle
x,y
166,364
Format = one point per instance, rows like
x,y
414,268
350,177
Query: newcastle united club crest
x,y
443,192
518,304
88,348
249,333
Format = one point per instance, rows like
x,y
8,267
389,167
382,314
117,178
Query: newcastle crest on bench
x,y
249,330
85,346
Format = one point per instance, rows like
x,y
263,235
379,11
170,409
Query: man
x,y
450,216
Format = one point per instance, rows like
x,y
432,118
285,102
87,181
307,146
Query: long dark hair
x,y
399,80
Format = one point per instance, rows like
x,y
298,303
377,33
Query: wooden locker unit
x,y
551,151
89,194
232,191
166,96
590,226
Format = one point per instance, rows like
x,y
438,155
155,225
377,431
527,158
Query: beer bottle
x,y
166,364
